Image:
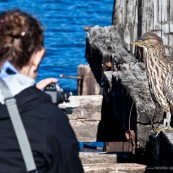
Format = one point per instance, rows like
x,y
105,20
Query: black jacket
x,y
53,142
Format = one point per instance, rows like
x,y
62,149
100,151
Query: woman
x,y
53,142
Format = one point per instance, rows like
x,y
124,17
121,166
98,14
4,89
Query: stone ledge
x,y
114,168
83,107
84,113
102,162
97,157
86,131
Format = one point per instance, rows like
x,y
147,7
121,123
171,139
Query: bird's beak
x,y
138,43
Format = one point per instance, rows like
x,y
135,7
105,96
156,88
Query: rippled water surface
x,y
63,21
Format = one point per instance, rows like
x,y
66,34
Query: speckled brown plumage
x,y
159,70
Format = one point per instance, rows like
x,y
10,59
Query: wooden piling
x,y
87,84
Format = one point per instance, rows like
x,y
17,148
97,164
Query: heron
x,y
159,70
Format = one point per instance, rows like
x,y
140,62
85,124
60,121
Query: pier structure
x,y
127,114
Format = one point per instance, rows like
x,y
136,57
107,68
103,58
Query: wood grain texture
x,y
135,17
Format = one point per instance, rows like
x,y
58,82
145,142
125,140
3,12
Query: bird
x,y
159,70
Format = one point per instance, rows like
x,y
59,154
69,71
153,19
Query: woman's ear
x,y
35,62
37,57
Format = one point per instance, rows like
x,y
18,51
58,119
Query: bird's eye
x,y
148,39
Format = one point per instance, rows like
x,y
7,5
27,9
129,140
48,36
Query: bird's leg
x,y
167,120
166,124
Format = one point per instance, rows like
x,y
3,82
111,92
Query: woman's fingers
x,y
45,82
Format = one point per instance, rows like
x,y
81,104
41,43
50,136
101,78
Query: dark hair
x,y
20,36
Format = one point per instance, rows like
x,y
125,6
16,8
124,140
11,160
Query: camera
x,y
57,94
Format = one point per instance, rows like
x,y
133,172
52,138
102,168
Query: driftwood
x,y
125,88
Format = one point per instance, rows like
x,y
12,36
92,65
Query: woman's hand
x,y
45,82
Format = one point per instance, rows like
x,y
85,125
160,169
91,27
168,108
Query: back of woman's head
x,y
20,36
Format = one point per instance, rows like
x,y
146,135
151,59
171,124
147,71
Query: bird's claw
x,y
161,128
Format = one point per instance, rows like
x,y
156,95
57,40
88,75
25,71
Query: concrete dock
x,y
84,114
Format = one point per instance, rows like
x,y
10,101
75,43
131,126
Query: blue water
x,y
63,21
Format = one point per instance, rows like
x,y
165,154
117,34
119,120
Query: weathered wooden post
x,y
87,84
135,17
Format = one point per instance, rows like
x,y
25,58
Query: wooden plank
x,y
170,41
120,16
165,10
157,26
171,28
147,17
165,21
126,19
130,29
119,147
171,10
160,13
